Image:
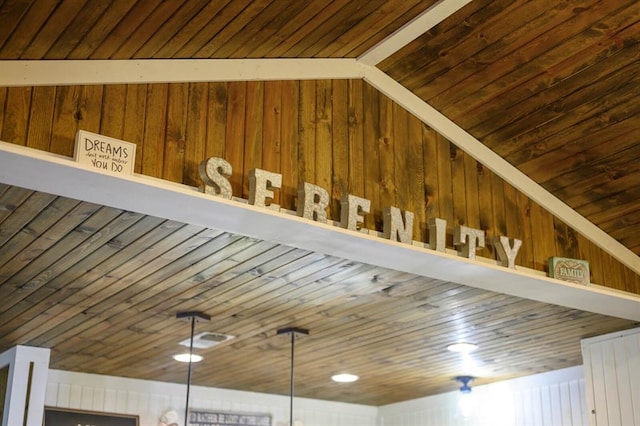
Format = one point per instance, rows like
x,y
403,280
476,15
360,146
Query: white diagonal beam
x,y
485,156
411,30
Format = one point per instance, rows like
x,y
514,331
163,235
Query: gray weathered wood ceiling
x,y
549,86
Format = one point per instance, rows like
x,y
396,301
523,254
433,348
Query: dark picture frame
x,y
54,416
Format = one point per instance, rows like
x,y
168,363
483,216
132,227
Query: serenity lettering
x,y
313,201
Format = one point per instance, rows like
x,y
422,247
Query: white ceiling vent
x,y
206,340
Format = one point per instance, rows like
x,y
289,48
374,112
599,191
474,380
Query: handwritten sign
x,y
103,153
221,418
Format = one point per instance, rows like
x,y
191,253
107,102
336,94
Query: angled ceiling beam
x,y
485,156
68,72
411,31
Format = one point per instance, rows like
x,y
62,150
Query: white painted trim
x,y
454,133
60,175
411,31
610,336
68,72
18,359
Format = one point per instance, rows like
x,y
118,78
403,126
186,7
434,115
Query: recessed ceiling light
x,y
185,358
463,348
344,378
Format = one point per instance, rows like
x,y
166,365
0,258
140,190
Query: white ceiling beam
x,y
60,175
68,72
485,156
411,31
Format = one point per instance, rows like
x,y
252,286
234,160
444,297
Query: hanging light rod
x,y
193,317
293,331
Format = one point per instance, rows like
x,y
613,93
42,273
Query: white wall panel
x,y
150,400
556,398
612,371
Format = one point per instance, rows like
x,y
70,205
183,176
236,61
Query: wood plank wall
x,y
340,134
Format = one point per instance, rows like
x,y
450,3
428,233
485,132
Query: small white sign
x,y
105,154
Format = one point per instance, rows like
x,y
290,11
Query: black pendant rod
x,y
186,407
193,316
292,331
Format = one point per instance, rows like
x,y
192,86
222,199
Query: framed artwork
x,y
54,416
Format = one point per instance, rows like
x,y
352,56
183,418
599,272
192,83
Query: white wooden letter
x,y
393,226
437,234
350,209
312,202
215,173
261,184
507,253
468,239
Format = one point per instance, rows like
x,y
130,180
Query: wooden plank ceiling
x,y
550,86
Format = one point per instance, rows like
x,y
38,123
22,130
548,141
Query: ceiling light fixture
x,y
465,380
344,378
462,347
193,317
293,331
187,357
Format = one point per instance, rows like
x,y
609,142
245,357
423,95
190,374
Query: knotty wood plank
x,y
307,133
26,265
349,17
223,43
543,248
113,118
375,26
196,132
471,191
444,185
430,165
299,29
217,121
487,220
101,30
403,161
269,31
16,217
190,29
54,26
134,120
458,191
174,150
11,199
505,72
176,19
355,137
19,23
76,30
371,157
323,142
290,129
146,28
340,146
523,215
208,32
272,132
12,13
16,115
41,118
253,132
89,109
235,133
65,124
386,151
57,298
153,146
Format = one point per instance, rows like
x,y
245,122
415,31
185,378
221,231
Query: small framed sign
x,y
572,270
105,154
67,417
222,418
